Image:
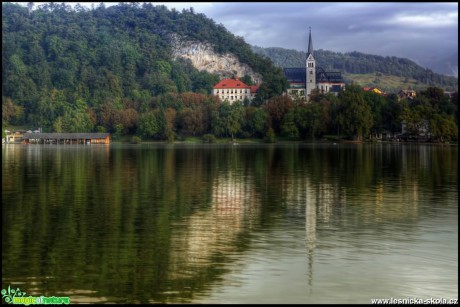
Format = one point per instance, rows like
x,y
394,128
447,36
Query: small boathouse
x,y
66,138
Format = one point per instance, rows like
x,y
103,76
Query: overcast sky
x,y
420,31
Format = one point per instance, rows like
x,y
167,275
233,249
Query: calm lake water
x,y
310,223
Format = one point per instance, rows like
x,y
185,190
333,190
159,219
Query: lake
x,y
172,223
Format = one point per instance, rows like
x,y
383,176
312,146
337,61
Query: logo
x,y
16,296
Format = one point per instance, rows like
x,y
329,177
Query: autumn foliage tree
x,y
277,107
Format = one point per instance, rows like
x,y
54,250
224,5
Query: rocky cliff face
x,y
203,57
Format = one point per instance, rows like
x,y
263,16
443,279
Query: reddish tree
x,y
277,107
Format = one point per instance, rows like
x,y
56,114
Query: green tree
x,y
58,125
217,123
234,119
228,120
256,121
246,79
412,118
288,126
391,115
118,132
316,119
148,124
170,117
275,84
75,121
443,128
355,115
378,104
270,136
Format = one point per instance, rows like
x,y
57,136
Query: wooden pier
x,y
66,138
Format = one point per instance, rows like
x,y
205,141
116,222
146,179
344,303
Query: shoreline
x,y
280,142
225,141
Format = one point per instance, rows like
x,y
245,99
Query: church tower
x,y
310,80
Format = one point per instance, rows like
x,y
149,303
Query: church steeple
x,y
310,45
310,80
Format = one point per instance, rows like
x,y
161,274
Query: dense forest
x,y
360,63
111,70
58,61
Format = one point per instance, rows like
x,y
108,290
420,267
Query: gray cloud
x,y
418,31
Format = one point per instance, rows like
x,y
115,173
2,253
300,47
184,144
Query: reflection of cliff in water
x,y
204,241
123,224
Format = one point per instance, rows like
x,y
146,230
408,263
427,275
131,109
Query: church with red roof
x,y
234,90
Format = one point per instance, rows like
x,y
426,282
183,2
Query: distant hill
x,y
447,66
353,64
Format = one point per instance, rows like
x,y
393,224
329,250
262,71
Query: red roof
x,y
254,88
230,83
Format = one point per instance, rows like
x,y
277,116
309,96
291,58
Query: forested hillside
x,y
113,70
360,63
65,67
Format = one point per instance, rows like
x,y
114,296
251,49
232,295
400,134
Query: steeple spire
x,y
310,45
310,63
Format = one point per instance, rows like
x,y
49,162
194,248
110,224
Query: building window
x,y
311,72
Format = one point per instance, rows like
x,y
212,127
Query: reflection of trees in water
x,y
354,193
377,182
159,225
133,225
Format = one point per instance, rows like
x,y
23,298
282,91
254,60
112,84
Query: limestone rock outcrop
x,y
203,57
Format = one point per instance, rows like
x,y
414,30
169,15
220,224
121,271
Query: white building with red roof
x,y
234,90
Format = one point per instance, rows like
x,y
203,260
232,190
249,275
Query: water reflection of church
x,y
329,204
206,239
